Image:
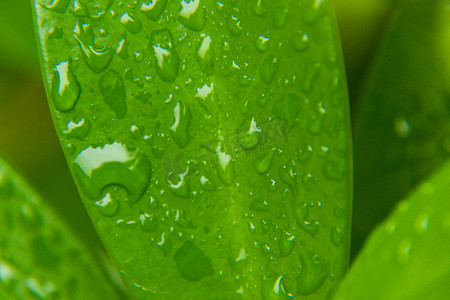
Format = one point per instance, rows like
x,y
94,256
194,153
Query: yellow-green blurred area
x,y
27,135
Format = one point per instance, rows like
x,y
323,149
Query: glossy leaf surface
x,y
407,255
209,141
39,258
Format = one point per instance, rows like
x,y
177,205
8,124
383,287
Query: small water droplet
x,y
78,129
312,13
192,14
234,25
287,243
226,166
165,244
421,223
288,176
280,17
153,8
122,49
268,69
249,134
180,126
288,109
262,43
206,55
262,164
192,263
183,220
314,272
259,8
55,33
166,57
299,41
312,70
259,205
148,222
333,170
96,58
273,289
337,237
402,127
179,183
310,226
65,87
131,23
109,204
113,92
403,251
304,153
207,98
96,168
59,6
207,184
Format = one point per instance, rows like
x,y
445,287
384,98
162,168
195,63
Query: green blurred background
x,y
27,135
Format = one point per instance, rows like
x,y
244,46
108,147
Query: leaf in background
x,y
407,255
39,257
402,127
209,141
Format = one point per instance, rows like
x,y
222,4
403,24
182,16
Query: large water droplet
x,y
192,14
273,289
65,87
280,17
310,226
288,176
153,8
122,49
315,270
263,163
78,129
59,6
180,126
96,58
268,69
287,243
207,98
249,134
206,55
166,57
131,23
113,92
148,222
96,168
262,43
192,263
179,183
226,166
165,244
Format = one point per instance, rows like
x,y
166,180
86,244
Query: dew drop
x,y
262,164
179,184
192,263
109,204
312,71
192,14
310,226
55,33
262,43
259,205
207,184
287,243
152,9
59,6
148,222
122,50
234,25
207,99
273,289
226,166
65,87
206,55
333,170
304,153
299,41
113,92
166,57
288,109
337,237
180,126
249,134
131,23
78,129
268,69
403,251
96,168
96,58
402,127
315,270
165,244
182,219
259,8
280,17
288,176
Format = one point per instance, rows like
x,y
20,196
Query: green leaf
x,y
402,126
209,141
407,255
39,257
